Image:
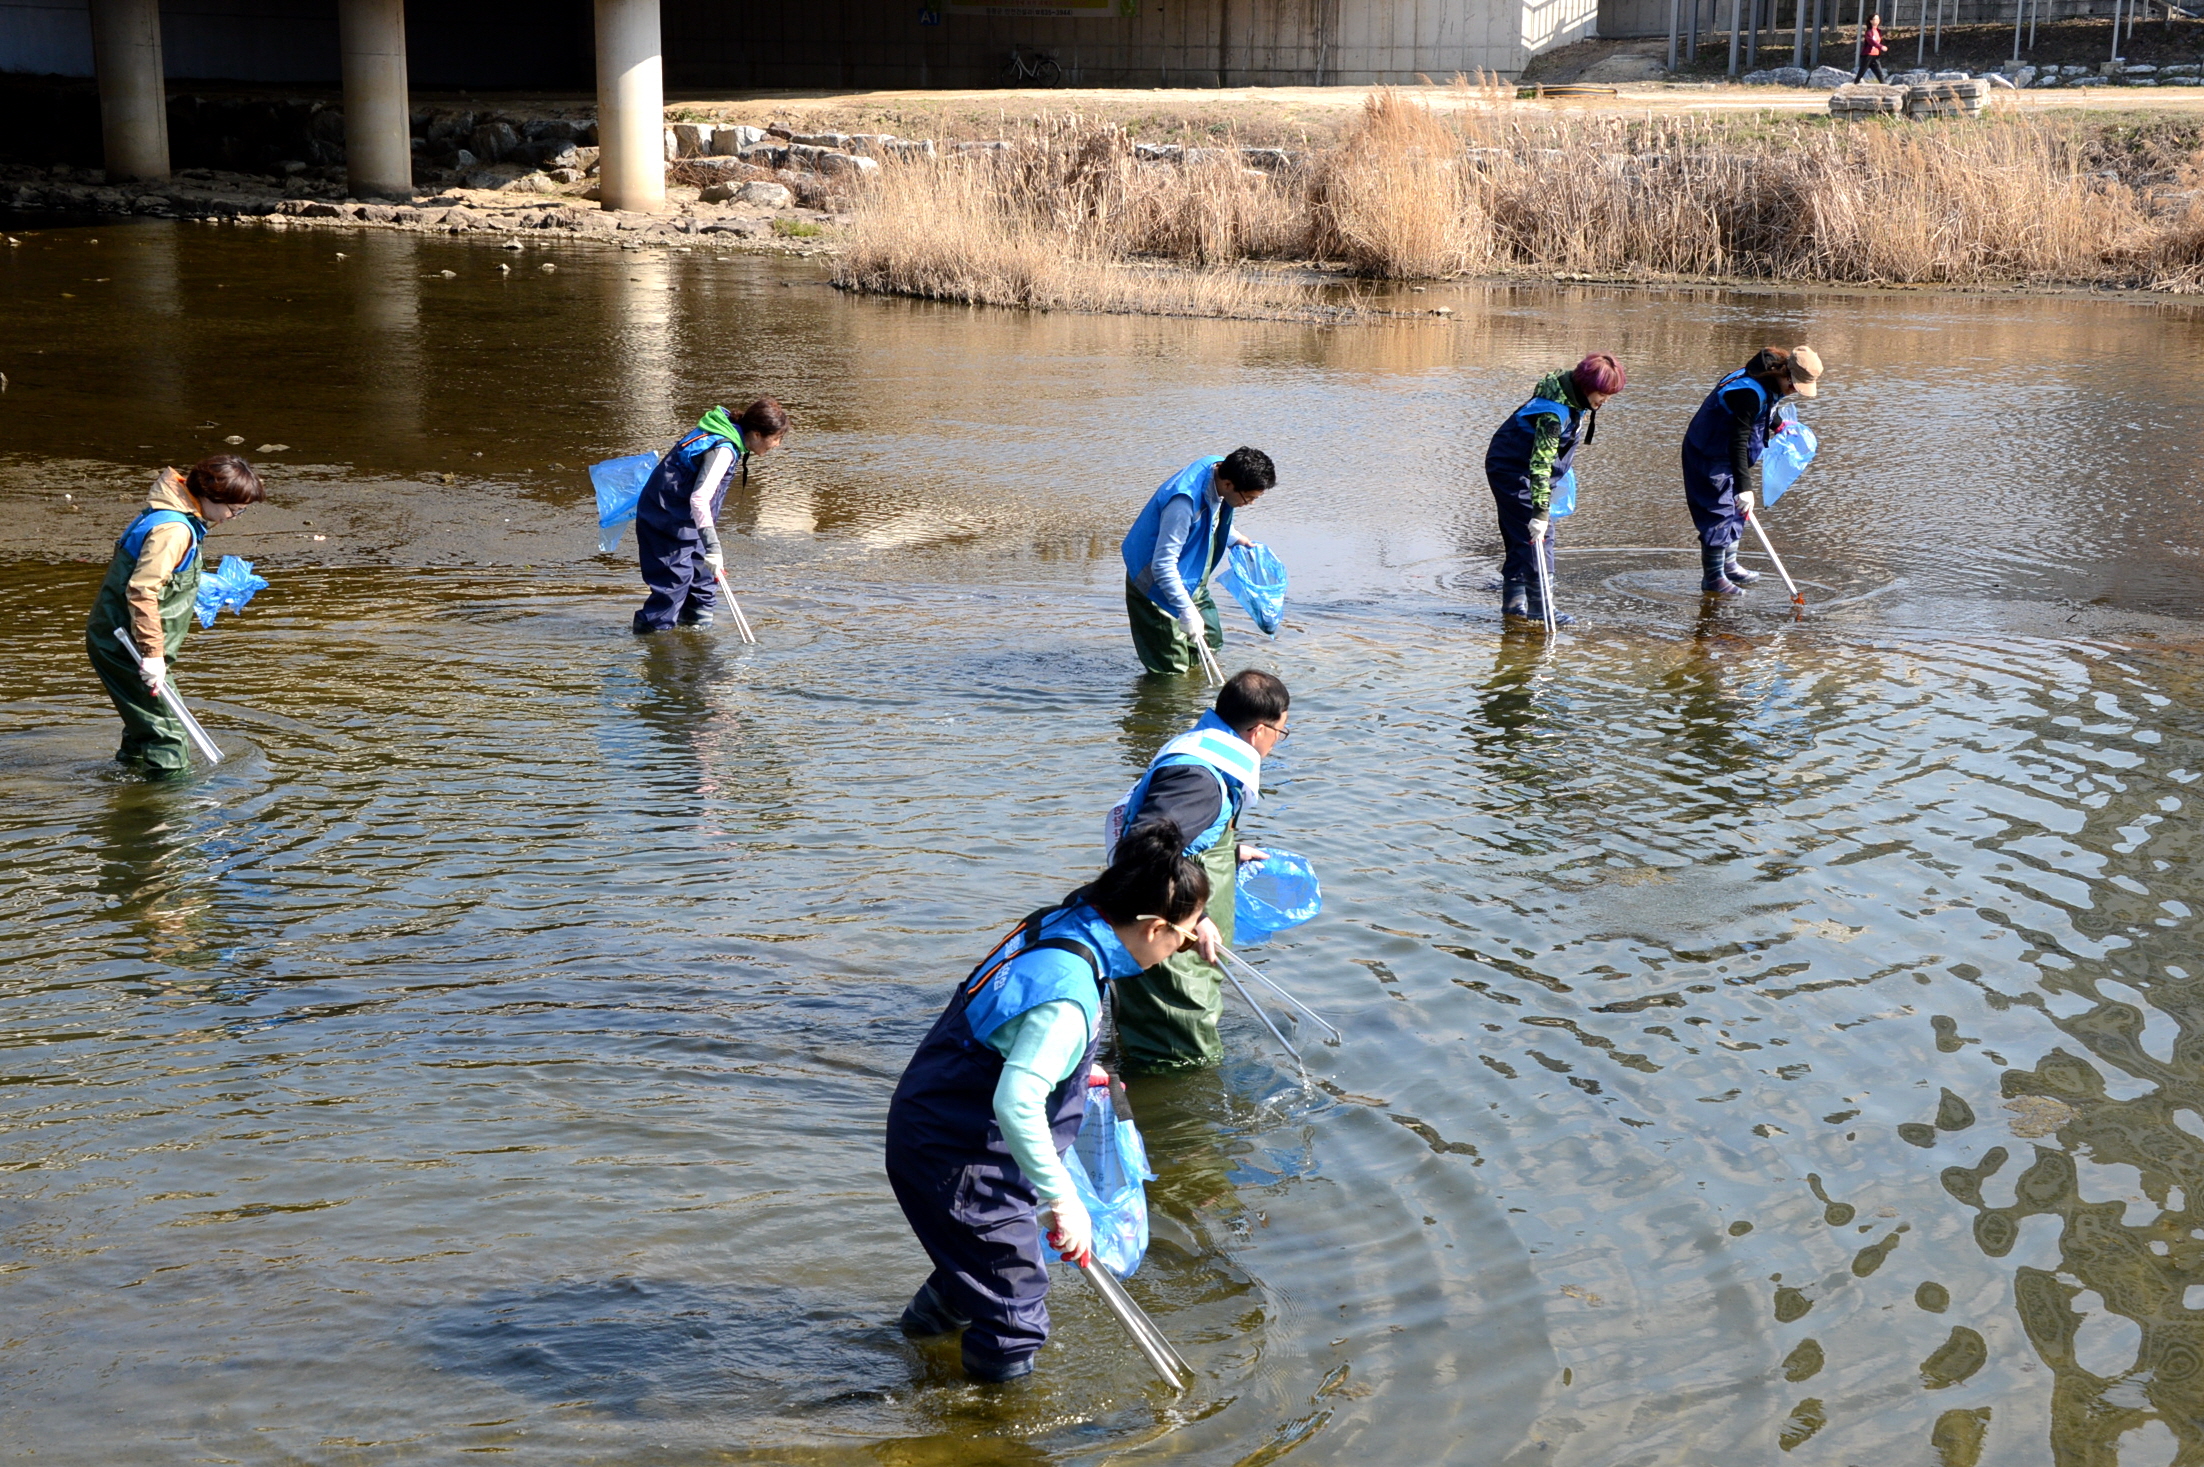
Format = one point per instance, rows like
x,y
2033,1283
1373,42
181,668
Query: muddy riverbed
x,y
1765,1038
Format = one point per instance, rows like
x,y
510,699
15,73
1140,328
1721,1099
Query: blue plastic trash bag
x,y
1257,580
1274,893
1563,499
1785,458
619,483
231,586
1108,1164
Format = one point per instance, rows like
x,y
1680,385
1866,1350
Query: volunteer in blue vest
x,y
1530,462
1722,449
994,1096
1179,538
150,592
1202,781
677,519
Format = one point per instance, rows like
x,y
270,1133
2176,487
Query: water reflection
x,y
154,875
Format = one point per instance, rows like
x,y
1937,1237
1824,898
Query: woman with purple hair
x,y
1533,484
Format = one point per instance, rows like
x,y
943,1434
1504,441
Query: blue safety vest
x,y
664,504
944,1106
1212,529
132,542
1509,456
1215,747
1707,440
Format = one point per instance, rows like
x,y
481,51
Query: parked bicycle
x,y
1027,67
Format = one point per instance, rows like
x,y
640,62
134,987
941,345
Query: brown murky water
x,y
1765,1039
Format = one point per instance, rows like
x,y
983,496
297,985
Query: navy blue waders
x,y
964,1194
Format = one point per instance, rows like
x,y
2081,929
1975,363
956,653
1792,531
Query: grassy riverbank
x,y
1071,215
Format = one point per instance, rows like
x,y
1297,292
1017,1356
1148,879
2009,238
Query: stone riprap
x,y
754,213
501,175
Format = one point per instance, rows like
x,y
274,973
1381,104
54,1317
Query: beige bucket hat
x,y
1805,371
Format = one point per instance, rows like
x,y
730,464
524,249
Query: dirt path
x,y
1302,116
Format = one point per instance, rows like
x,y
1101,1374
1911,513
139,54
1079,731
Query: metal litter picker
x,y
1211,669
1797,597
167,692
742,623
1167,1362
1264,978
1545,587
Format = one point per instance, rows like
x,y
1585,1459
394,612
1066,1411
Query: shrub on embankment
x,y
1065,216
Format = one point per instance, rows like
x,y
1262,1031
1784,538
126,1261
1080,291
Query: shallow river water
x,y
1766,1038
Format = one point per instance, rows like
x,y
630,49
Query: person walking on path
x,y
1180,537
1530,458
1202,782
1721,455
995,1093
677,518
151,590
1872,47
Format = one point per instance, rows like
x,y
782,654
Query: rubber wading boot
x,y
693,619
995,1372
1711,580
1738,573
1536,611
1515,599
929,1314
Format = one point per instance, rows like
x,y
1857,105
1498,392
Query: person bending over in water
x,y
676,520
994,1096
1530,458
1202,781
1179,538
151,588
1722,449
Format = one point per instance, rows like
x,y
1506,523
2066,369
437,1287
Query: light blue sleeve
x,y
1176,523
1040,1049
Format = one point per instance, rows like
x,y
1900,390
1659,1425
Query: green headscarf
x,y
718,424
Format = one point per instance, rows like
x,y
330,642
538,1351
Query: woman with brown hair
x,y
152,584
677,518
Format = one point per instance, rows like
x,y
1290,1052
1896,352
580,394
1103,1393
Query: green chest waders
x,y
151,734
1157,636
1167,1016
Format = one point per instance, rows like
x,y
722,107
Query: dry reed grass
x,y
1071,217
1073,221
1395,200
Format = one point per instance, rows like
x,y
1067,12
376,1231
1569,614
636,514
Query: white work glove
x,y
712,555
1538,529
1744,501
1190,619
1070,1230
153,670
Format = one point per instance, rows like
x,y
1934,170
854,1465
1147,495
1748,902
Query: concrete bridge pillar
x,y
133,94
378,131
631,107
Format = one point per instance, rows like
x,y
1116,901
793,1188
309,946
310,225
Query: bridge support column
x,y
631,107
378,129
133,93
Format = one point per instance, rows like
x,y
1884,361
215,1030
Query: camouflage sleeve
x,y
1545,448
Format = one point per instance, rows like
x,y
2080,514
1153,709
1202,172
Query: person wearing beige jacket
x,y
151,586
